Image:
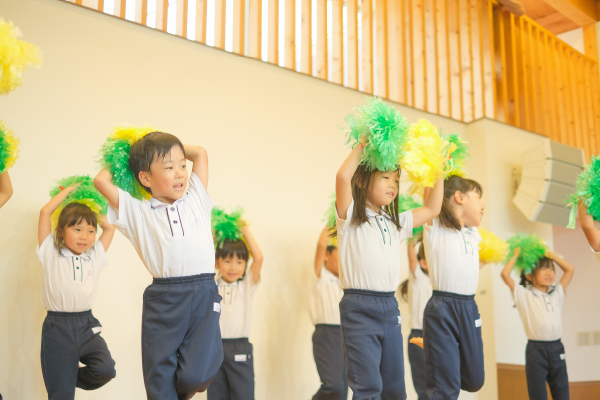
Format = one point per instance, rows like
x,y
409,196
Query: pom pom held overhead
x,y
458,156
532,248
491,248
9,147
15,56
587,190
85,194
226,226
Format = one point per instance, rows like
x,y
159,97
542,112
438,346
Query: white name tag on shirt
x,y
563,356
477,323
240,358
399,319
97,329
217,307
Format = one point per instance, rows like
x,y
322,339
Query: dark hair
x,y
330,249
71,215
153,147
229,248
452,185
404,284
544,262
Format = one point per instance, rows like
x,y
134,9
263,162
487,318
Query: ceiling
x,y
556,22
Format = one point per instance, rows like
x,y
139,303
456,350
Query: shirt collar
x,y
223,283
538,292
157,204
67,253
373,214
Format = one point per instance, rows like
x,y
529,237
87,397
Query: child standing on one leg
x,y
451,322
417,290
181,340
71,264
370,230
327,339
540,304
237,284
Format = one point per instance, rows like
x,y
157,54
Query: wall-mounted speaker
x,y
548,176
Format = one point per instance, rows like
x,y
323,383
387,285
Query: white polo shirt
x,y
69,280
171,240
236,306
418,296
327,294
369,254
540,312
452,258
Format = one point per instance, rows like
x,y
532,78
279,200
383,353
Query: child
x,y
370,231
540,303
327,339
181,340
592,233
237,284
71,265
6,190
418,296
451,322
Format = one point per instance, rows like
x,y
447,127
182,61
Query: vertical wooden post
x,y
367,45
255,28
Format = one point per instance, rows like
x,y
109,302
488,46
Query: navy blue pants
x,y
181,338
372,343
416,357
545,362
329,357
453,345
67,339
235,379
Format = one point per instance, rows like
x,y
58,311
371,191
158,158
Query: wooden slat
x,y
443,61
572,125
352,40
306,37
337,41
405,49
162,9
201,17
367,45
419,79
395,62
254,28
573,91
239,27
526,75
459,55
536,74
181,12
562,79
430,57
583,134
475,57
466,69
455,91
290,34
381,48
544,83
554,85
514,97
141,11
101,5
492,58
436,65
273,34
594,140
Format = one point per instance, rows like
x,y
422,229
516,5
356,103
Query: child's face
x,y
543,276
231,268
473,205
384,188
331,262
168,177
80,237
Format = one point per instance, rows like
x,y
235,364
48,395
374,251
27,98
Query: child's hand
x,y
104,222
418,341
72,188
516,253
549,254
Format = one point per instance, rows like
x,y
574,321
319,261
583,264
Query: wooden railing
x,y
464,59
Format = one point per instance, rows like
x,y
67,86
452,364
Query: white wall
x,y
574,39
274,146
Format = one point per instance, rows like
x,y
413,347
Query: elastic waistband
x,y
236,340
544,341
327,326
70,314
183,280
456,296
373,293
416,331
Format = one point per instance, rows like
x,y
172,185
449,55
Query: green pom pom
x,y
226,226
385,131
9,147
85,194
587,190
459,155
532,247
330,214
407,202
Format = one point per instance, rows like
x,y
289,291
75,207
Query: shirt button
x,y
385,230
172,208
76,258
77,267
174,222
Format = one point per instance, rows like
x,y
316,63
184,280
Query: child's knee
x,y
106,371
191,382
473,385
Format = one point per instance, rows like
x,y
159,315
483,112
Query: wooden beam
x,y
254,28
201,12
273,32
306,38
582,12
322,56
290,34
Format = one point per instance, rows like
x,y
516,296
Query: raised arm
x,y
567,268
432,205
103,183
108,232
199,157
6,190
590,231
343,181
505,274
257,255
321,251
413,261
44,224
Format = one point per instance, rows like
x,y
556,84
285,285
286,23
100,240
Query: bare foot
x,y
418,341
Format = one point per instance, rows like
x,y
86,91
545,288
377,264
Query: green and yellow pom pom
x,y
458,155
533,249
587,190
383,129
492,249
330,214
425,156
85,194
9,147
226,226
407,202
114,155
15,56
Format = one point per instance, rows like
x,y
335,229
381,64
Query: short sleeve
x,y
476,237
596,254
518,295
99,255
343,223
430,233
248,281
198,191
124,217
406,222
44,251
561,294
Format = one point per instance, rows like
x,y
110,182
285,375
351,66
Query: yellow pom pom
x,y
15,56
491,248
333,241
129,133
9,147
425,156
